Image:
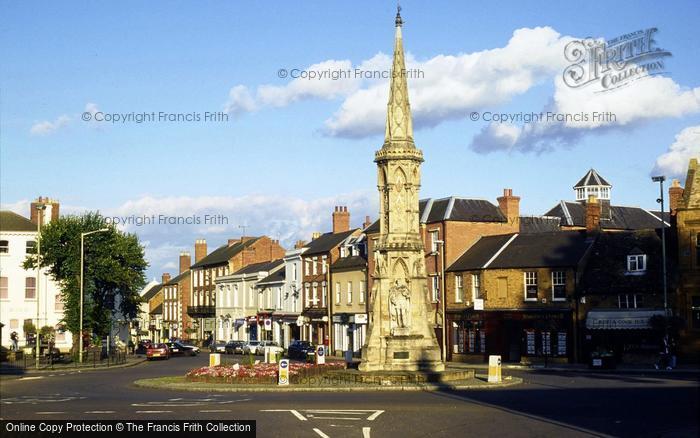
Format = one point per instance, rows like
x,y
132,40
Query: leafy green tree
x,y
114,271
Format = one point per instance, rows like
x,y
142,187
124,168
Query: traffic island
x,y
327,380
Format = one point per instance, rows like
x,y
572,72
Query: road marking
x,y
321,434
336,418
295,412
100,412
31,378
365,432
188,402
215,410
152,412
50,412
375,415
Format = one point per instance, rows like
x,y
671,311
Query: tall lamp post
x,y
40,218
660,179
443,299
82,274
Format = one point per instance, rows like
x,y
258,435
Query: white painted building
x,y
238,304
24,295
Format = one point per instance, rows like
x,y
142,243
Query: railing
x,y
16,362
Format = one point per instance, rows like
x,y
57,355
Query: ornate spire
x,y
399,126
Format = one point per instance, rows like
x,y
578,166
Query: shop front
x,y
349,333
626,334
531,335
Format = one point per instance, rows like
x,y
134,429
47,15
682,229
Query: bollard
x,y
494,369
283,372
214,359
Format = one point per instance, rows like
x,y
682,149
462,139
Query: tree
x,y
114,266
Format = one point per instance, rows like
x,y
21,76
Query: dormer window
x,y
637,263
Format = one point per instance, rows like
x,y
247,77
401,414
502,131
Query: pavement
x,y
62,369
547,403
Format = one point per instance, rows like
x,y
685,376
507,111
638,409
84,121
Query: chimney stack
x,y
367,223
315,235
300,244
592,214
675,195
49,213
185,261
510,206
165,278
341,220
200,250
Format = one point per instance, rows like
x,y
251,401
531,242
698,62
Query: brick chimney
x,y
315,235
49,213
367,222
675,195
341,220
592,214
299,244
200,250
510,206
165,278
185,261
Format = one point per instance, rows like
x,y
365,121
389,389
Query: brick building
x,y
176,300
236,254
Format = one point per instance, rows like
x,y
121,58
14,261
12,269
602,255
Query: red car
x,y
157,351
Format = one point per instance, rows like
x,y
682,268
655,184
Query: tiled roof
x,y
621,218
158,310
553,249
178,278
592,178
275,277
150,293
223,254
539,224
351,262
259,267
11,221
326,242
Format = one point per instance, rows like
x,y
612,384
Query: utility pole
x,y
40,217
660,179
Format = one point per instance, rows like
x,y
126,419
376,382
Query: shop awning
x,y
620,319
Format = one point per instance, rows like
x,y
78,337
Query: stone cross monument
x,y
399,336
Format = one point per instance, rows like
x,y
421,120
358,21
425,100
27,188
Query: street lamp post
x,y
40,217
443,299
82,274
660,179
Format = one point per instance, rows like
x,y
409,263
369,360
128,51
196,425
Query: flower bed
x,y
265,373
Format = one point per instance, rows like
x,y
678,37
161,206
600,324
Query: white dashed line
x,y
337,418
152,412
50,413
321,434
100,412
215,410
31,378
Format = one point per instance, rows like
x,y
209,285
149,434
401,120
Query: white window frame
x,y
435,286
307,295
634,259
324,264
349,297
476,287
558,282
338,292
459,288
324,288
314,268
363,287
5,247
434,238
528,277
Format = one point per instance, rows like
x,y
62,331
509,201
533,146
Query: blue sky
x,y
280,164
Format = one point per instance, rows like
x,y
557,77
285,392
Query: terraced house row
x,y
585,276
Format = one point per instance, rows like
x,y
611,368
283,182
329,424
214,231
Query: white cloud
x,y
47,127
674,162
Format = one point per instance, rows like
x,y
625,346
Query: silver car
x,y
251,347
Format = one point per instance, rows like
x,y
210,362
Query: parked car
x,y
251,347
157,351
217,347
178,349
274,346
301,350
233,347
143,346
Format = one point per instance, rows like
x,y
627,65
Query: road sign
x,y
494,369
283,378
320,355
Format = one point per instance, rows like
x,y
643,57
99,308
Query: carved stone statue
x,y
400,308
